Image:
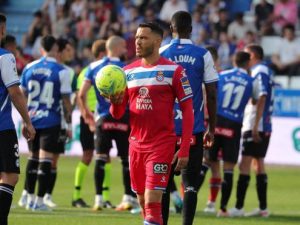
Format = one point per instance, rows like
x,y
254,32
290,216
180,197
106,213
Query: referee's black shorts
x,y
86,136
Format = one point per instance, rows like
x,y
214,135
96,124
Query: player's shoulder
x,y
4,52
94,65
32,64
259,69
164,48
226,72
134,64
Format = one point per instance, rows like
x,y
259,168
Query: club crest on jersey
x,y
186,85
160,76
143,101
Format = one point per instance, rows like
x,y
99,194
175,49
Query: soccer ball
x,y
110,80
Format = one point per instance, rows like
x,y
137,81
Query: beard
x,y
146,51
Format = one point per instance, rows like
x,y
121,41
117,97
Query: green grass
x,y
283,200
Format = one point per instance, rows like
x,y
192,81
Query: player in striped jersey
x,y
257,129
153,84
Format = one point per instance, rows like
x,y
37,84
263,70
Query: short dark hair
x,y
289,26
2,18
62,43
97,47
9,39
182,22
241,59
48,42
257,50
154,28
213,51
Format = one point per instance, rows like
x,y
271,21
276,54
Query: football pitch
x,y
283,200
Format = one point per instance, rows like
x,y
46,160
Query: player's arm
x,y
18,99
66,90
11,81
210,79
183,92
261,83
211,99
82,103
118,104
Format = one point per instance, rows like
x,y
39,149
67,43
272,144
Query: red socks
x,y
153,213
215,185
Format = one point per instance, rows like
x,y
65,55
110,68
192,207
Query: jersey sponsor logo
x,y
192,142
144,101
186,85
160,76
114,126
39,113
160,168
224,132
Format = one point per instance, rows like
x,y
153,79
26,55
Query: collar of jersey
x,y
51,59
182,41
241,69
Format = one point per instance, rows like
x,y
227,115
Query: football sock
x,y
242,186
172,186
226,188
31,174
6,193
43,176
99,175
261,188
214,187
80,172
52,180
106,182
203,171
189,205
153,214
126,176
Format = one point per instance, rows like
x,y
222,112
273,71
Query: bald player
x,y
106,127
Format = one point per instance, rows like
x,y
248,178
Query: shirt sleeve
x,y
210,72
263,83
89,75
65,82
181,85
9,70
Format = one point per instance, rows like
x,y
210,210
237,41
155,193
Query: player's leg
x,y
230,146
87,142
52,180
103,145
166,197
48,147
9,171
175,196
215,181
204,167
261,177
191,184
244,176
121,137
158,166
28,197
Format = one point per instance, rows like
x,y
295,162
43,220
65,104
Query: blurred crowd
x,y
215,22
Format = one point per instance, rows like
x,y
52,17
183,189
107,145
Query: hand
x,y
117,98
255,135
88,117
181,163
28,131
208,139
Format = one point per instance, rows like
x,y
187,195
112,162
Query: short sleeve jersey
x,y
45,81
234,92
102,103
152,91
8,78
262,85
199,68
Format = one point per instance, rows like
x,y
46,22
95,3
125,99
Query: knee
x,y
87,157
11,178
